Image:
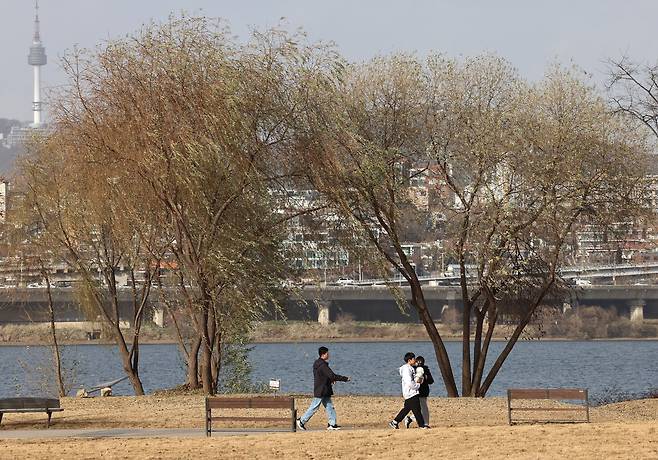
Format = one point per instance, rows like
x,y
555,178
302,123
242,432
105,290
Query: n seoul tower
x,y
36,59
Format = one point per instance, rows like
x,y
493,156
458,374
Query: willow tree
x,y
518,167
204,124
27,246
81,213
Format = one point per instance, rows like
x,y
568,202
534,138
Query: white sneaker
x,y
333,427
407,422
300,425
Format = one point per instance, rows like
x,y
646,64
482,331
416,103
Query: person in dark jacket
x,y
323,379
423,392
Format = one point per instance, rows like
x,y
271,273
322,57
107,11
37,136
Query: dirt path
x,y
172,427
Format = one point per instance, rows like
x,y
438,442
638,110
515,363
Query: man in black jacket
x,y
323,379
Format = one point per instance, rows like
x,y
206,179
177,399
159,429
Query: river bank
x,y
463,428
298,331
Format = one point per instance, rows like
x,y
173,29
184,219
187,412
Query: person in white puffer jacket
x,y
410,393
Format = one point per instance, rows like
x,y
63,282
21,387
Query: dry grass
x,y
367,412
279,331
347,330
463,428
609,441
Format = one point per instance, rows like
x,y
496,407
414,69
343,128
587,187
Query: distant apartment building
x,y
428,190
425,257
622,242
312,241
20,135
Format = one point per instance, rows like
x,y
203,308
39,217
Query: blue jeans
x,y
315,405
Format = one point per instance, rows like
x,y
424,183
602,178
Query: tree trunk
x,y
56,355
128,367
193,364
466,310
206,354
130,359
418,300
505,353
479,366
217,359
477,349
466,348
517,332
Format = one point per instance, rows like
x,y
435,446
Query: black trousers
x,y
412,404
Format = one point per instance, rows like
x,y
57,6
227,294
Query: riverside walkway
x,y
128,433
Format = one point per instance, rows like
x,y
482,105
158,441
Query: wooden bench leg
x,y
294,420
1,414
48,421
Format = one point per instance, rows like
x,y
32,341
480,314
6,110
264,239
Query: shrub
x,y
343,317
595,321
621,327
645,330
451,317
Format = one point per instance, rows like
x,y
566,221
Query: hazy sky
x,y
529,33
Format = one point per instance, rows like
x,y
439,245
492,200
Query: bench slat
x,y
557,420
28,403
254,419
31,409
249,403
567,393
581,408
523,393
272,404
549,393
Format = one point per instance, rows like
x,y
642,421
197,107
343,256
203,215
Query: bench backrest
x,y
548,393
276,402
29,403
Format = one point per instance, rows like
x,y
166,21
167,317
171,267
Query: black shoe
x,y
407,422
333,427
393,424
300,425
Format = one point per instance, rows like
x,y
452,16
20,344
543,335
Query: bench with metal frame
x,y
260,402
24,405
556,394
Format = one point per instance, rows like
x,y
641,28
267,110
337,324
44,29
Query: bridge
x,y
603,272
637,302
362,303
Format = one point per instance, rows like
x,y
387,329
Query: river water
x,y
605,367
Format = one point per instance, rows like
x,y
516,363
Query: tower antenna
x,y
36,59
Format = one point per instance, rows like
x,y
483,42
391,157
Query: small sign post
x,y
275,385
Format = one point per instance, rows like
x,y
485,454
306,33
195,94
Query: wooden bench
x,y
21,405
556,394
261,402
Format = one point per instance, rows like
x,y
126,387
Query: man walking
x,y
323,379
410,393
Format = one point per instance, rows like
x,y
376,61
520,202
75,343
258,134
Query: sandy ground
x,y
463,428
